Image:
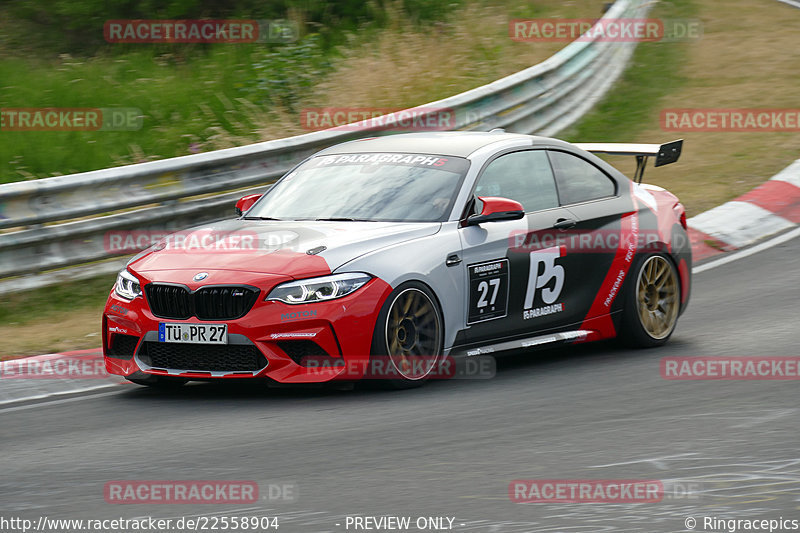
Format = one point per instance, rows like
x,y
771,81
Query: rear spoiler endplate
x,y
664,153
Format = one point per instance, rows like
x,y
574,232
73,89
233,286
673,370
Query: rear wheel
x,y
408,337
652,303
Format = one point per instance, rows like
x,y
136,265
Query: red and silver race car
x,y
402,248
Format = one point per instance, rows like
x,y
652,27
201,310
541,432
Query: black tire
x,y
405,344
159,382
652,302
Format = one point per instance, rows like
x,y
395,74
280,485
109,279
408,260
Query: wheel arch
x,y
423,260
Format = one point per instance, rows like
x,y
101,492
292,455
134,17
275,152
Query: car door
x,y
516,285
602,229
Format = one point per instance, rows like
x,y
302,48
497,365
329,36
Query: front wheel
x,y
408,337
652,303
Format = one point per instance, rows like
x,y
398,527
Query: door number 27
x,y
484,287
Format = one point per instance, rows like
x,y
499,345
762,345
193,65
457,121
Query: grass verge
x,y
53,319
202,98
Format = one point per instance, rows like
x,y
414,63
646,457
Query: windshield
x,y
374,187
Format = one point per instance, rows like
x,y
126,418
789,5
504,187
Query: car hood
x,y
296,249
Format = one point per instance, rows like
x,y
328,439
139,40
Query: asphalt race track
x,y
451,448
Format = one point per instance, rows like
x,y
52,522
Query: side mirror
x,y
494,209
246,202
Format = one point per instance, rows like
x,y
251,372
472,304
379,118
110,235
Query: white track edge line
x,y
52,394
55,402
733,256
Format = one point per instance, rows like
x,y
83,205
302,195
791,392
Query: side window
x,y
522,176
579,180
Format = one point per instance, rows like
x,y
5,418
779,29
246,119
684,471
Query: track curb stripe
x,y
772,207
704,245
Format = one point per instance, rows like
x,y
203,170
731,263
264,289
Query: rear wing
x,y
664,153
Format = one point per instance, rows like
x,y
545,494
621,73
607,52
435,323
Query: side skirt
x,y
516,344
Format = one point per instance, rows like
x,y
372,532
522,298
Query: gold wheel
x,y
657,297
413,334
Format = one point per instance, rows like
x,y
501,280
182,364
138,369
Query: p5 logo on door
x,y
550,281
488,290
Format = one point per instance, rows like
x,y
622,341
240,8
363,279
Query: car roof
x,y
453,143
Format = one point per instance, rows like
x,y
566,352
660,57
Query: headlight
x,y
127,285
319,289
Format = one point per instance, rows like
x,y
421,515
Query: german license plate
x,y
193,333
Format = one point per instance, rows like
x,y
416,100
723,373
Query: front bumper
x,y
308,343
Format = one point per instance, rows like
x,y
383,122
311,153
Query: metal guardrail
x,y
49,238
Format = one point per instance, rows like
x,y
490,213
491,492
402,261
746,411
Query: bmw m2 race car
x,y
401,248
